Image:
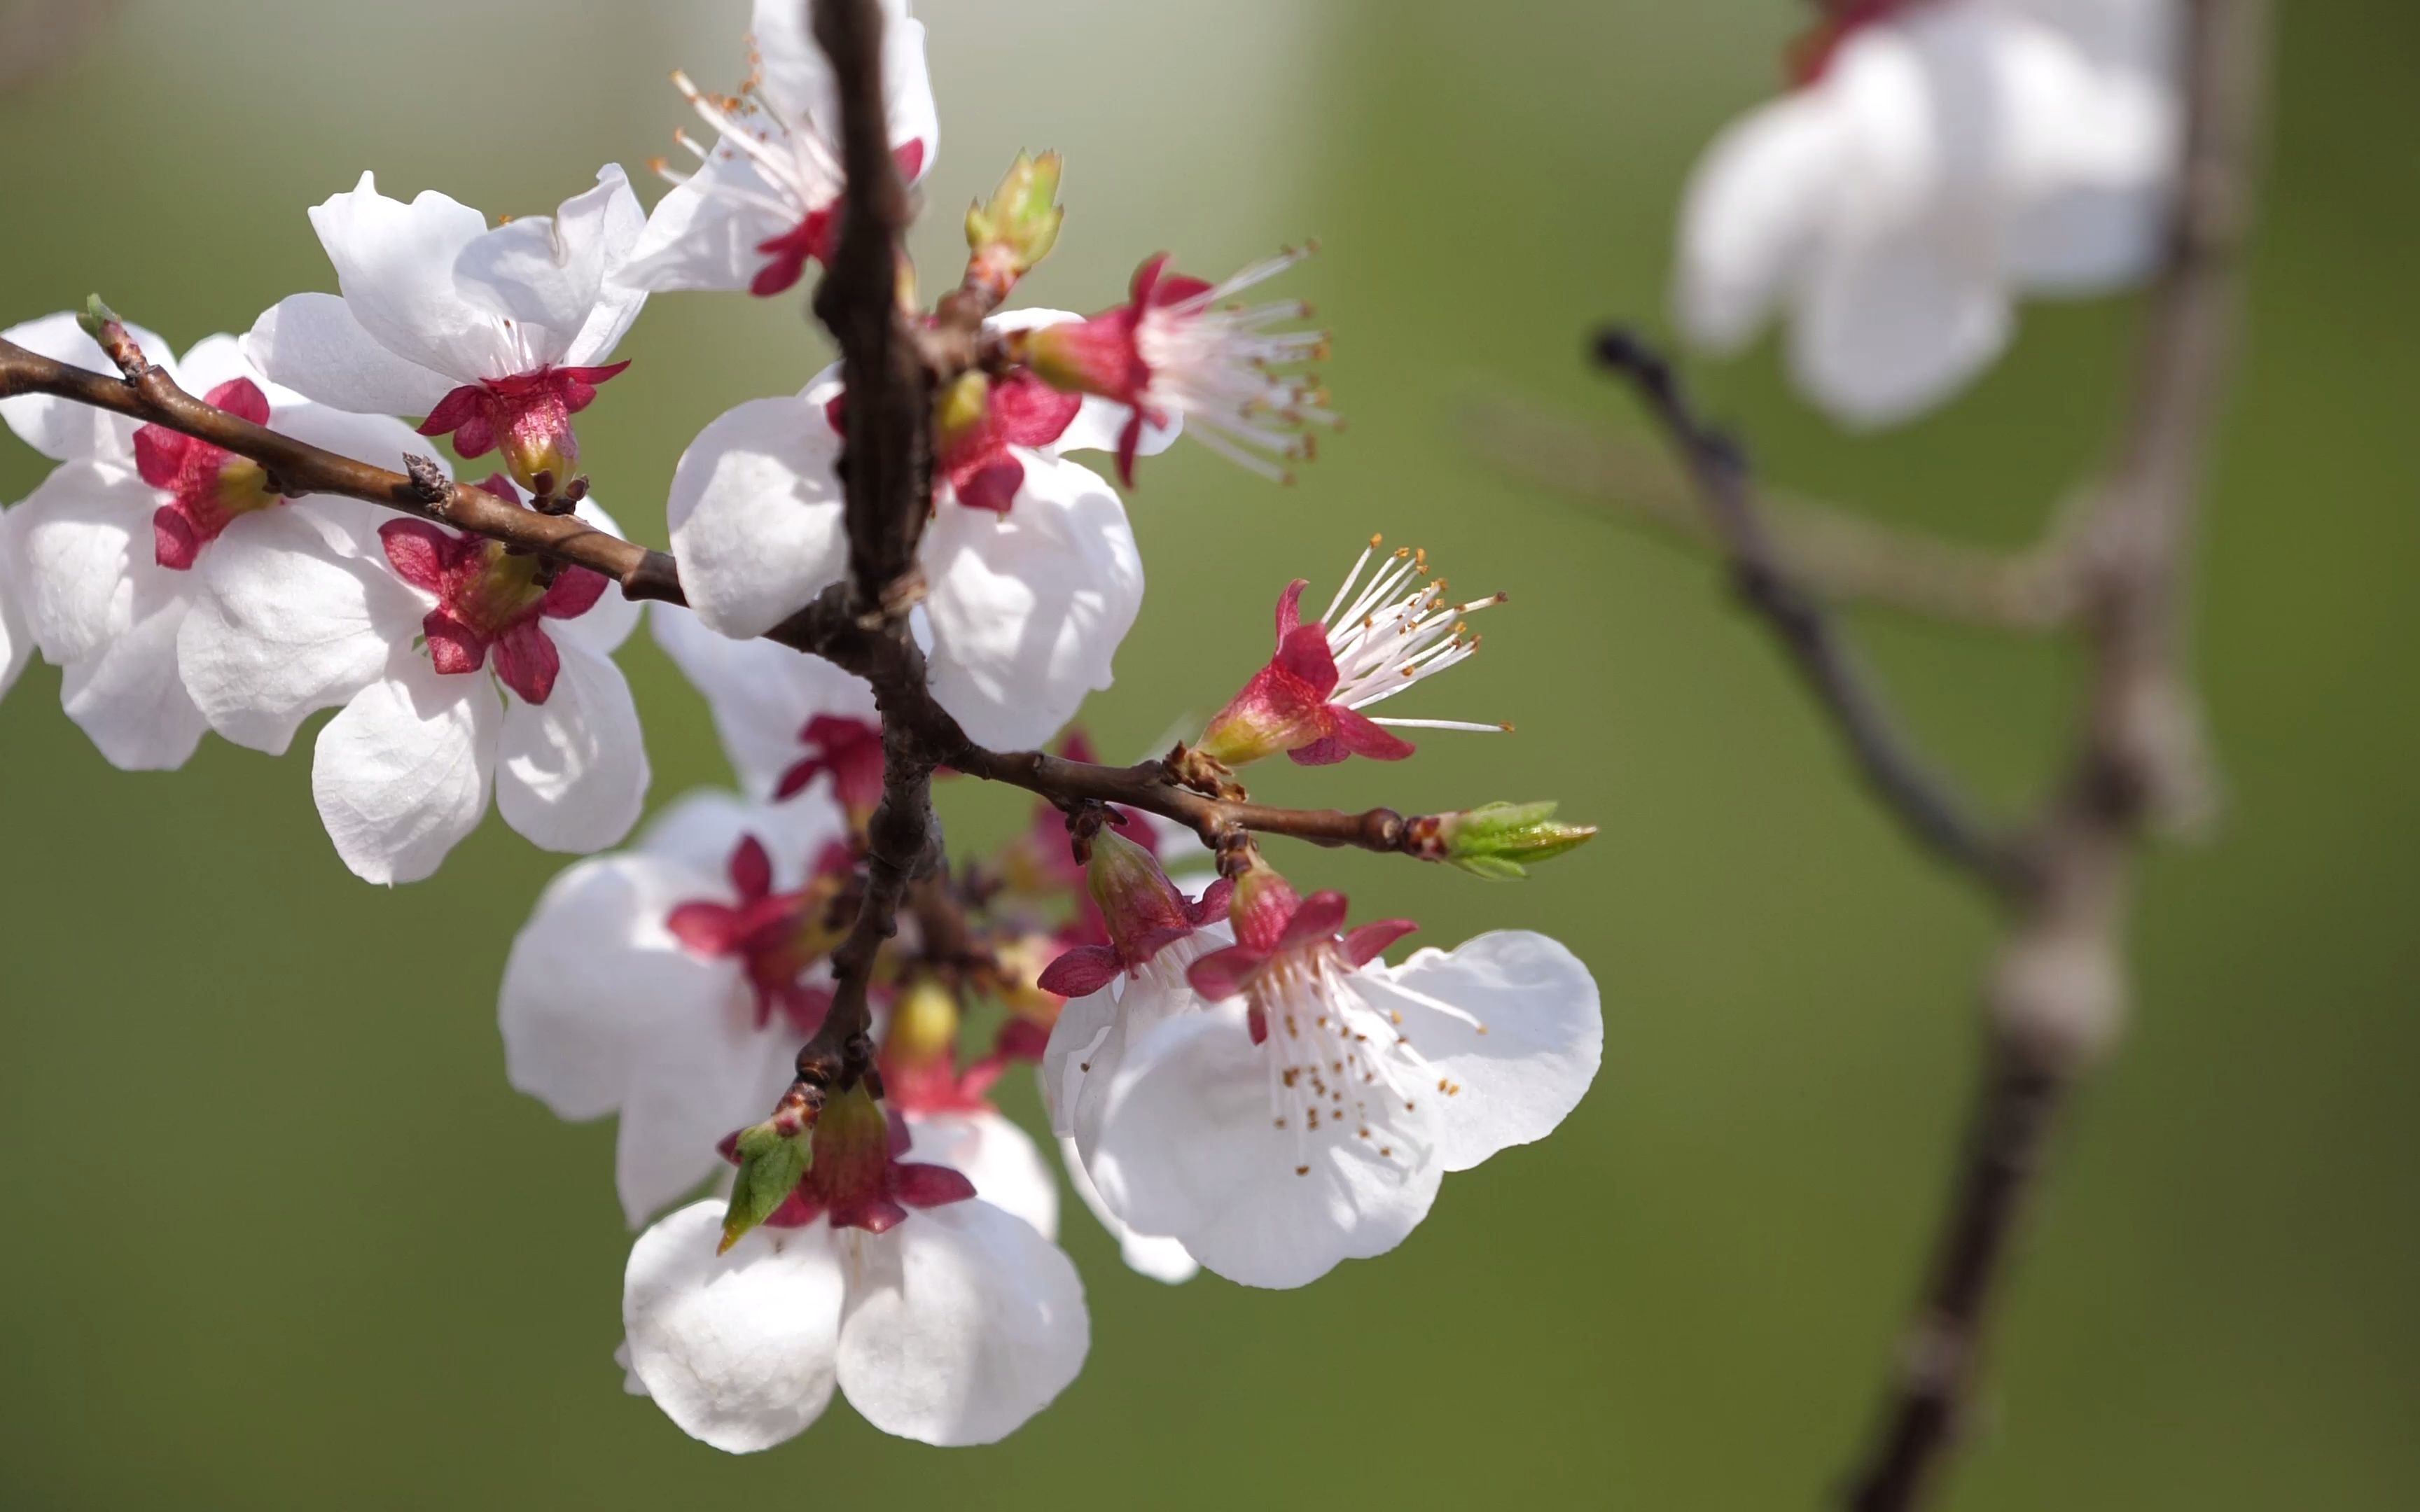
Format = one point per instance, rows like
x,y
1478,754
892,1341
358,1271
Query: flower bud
x,y
1006,236
772,1156
1135,897
924,1025
1263,906
1498,840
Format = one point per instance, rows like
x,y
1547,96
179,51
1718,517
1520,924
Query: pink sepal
x,y
929,1186
1220,974
1317,919
1365,942
1083,970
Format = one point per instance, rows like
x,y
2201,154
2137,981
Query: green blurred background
x,y
281,1237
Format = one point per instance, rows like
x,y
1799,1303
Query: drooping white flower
x,y
671,983
784,718
459,668
943,1317
137,524
1296,1101
1026,603
762,200
498,336
1941,158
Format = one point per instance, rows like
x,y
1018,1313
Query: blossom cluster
x,y
1235,1076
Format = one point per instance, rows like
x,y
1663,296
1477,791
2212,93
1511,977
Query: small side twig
x,y
1922,798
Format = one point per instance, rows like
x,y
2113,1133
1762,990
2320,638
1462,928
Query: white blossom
x,y
498,336
1947,158
457,667
138,524
669,984
1025,605
761,202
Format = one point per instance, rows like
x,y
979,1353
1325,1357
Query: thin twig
x,y
153,399
2057,992
1924,800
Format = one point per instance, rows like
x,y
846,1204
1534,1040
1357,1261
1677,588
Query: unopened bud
x,y
924,1025
1498,840
772,1156
1020,224
108,331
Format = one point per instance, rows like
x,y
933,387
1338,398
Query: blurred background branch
x,y
36,36
1840,554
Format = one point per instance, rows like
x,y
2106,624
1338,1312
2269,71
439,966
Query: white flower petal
x,y
705,1071
283,626
798,79
312,344
16,641
1189,1146
761,694
1544,1036
547,272
220,358
593,965
1158,1256
1028,608
1755,208
997,1156
967,1323
395,266
80,537
63,430
1075,1051
755,515
738,1350
1889,331
127,694
704,233
401,772
700,830
572,772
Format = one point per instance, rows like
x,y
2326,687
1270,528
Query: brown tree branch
x,y
147,395
1931,810
2057,992
828,627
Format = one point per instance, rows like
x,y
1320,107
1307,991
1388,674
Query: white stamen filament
x,y
1214,367
1396,630
789,156
1337,1067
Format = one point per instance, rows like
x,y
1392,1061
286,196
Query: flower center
x,y
208,487
527,416
1211,362
858,1180
1338,1069
776,936
1397,630
489,599
796,178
